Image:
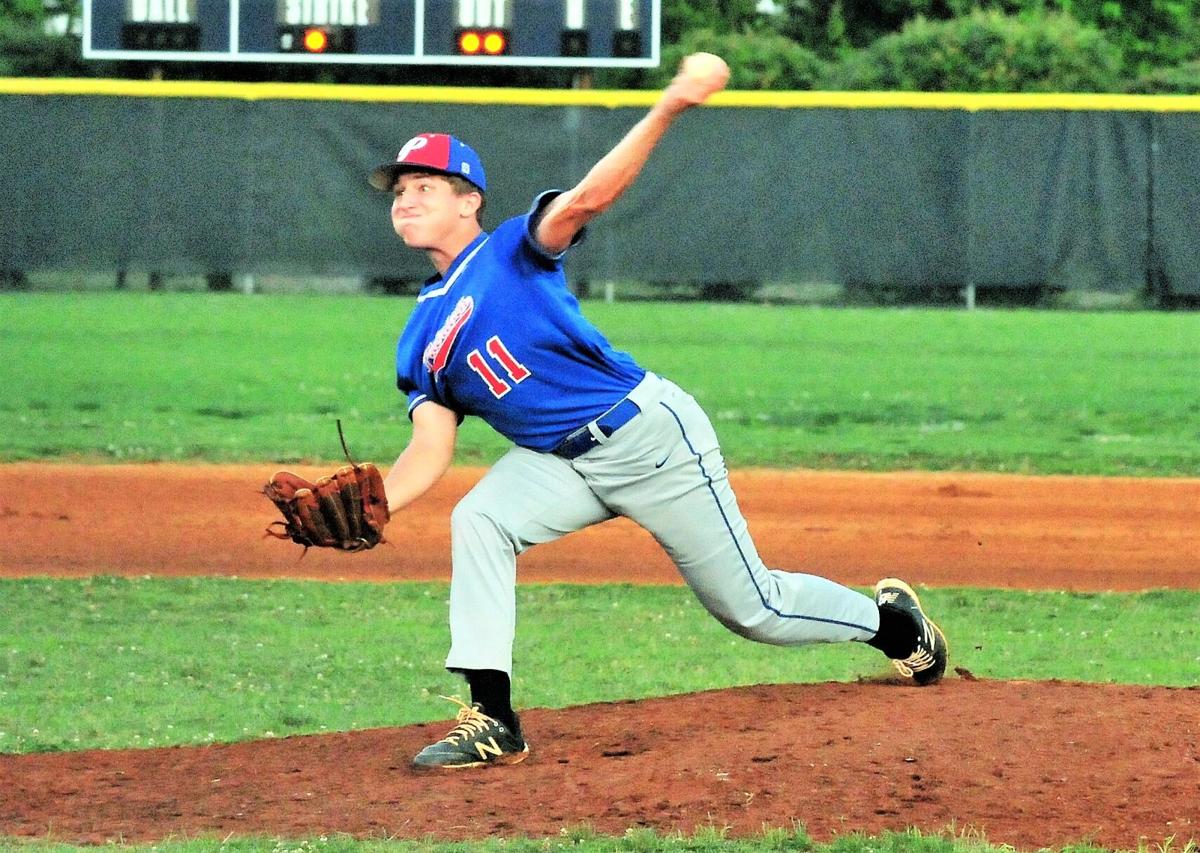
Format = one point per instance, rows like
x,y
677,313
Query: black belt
x,y
582,440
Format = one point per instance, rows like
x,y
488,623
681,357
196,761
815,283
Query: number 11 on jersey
x,y
516,371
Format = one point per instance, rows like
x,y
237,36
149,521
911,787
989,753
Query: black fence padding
x,y
904,197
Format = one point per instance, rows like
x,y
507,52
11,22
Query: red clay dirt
x,y
1029,764
949,529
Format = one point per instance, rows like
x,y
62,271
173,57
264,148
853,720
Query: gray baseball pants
x,y
663,470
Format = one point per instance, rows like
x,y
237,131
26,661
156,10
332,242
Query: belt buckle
x,y
576,444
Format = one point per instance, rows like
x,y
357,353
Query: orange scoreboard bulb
x,y
494,44
315,41
470,42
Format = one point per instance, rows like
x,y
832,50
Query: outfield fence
x,y
900,189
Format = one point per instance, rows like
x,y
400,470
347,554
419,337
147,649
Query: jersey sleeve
x,y
411,389
416,398
530,244
412,379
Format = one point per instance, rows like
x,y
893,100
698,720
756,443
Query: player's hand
x,y
700,75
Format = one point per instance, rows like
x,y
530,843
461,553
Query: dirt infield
x,y
936,529
1027,764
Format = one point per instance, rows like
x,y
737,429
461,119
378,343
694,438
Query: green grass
x,y
179,376
582,839
110,662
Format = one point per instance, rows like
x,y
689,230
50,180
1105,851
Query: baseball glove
x,y
346,510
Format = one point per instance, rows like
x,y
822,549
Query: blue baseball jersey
x,y
500,336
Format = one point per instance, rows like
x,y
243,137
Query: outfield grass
x,y
213,377
112,662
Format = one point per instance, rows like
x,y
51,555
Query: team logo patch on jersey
x,y
437,353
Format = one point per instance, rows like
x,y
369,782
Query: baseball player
x,y
496,334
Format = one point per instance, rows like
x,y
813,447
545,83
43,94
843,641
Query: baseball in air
x,y
704,66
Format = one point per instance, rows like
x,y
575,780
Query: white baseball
x,y
704,66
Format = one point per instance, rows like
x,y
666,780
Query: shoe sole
x,y
501,760
896,582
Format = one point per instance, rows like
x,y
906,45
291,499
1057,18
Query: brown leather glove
x,y
346,510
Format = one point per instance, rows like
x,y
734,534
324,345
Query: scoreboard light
x,y
138,35
469,43
495,44
473,41
574,43
316,40
627,44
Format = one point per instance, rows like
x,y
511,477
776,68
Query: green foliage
x,y
30,47
757,59
26,49
1140,41
1181,79
834,26
22,11
1151,33
986,51
825,25
680,17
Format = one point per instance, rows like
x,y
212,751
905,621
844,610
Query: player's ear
x,y
469,205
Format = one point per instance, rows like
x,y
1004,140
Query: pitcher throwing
x,y
496,334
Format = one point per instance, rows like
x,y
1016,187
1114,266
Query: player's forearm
x,y
416,470
616,171
700,76
606,182
428,455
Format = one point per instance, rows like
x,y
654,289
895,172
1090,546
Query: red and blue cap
x,y
439,153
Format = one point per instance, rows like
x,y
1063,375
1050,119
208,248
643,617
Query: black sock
x,y
897,636
492,690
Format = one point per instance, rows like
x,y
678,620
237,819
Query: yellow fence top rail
x,y
591,97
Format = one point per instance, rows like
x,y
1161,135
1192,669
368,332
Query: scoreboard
x,y
580,33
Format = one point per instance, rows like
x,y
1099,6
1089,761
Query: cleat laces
x,y
918,661
922,657
471,721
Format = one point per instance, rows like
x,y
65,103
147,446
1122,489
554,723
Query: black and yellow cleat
x,y
927,663
476,741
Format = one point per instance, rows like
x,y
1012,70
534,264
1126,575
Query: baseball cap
x,y
432,152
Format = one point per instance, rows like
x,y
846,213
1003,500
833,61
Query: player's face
x,y
427,213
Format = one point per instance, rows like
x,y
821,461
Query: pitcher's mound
x,y
1029,764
